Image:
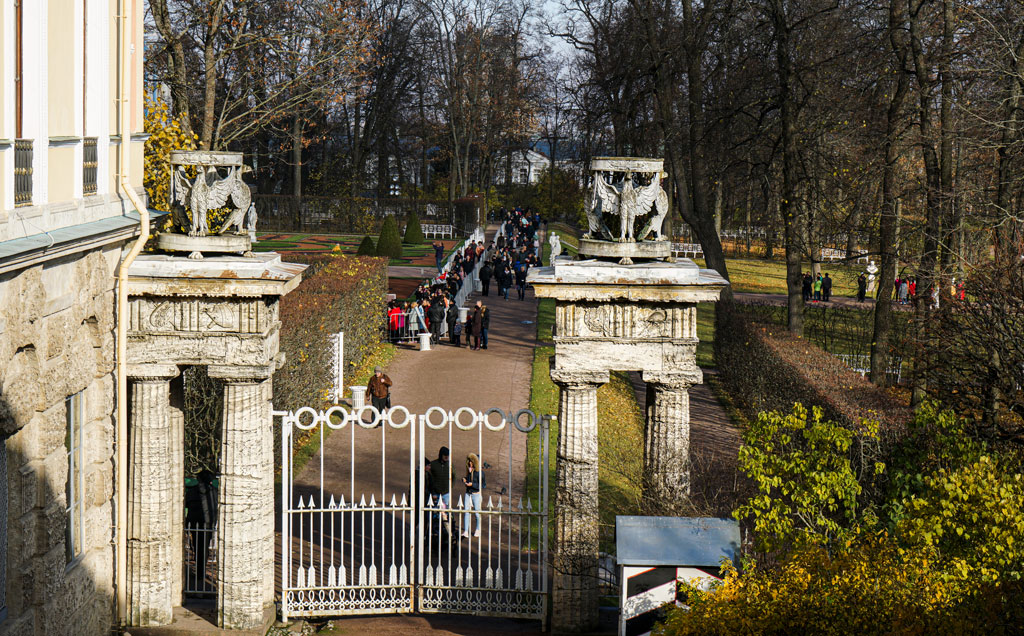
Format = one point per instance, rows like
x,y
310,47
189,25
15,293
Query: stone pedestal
x,y
612,317
424,340
150,548
575,597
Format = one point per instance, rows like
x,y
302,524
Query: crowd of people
x,y
505,261
817,288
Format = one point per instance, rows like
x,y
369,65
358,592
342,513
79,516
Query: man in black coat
x,y
485,277
436,314
453,318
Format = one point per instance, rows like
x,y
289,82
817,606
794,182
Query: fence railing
x,y
199,561
862,365
340,215
687,250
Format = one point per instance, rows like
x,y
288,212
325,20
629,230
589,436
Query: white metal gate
x,y
362,534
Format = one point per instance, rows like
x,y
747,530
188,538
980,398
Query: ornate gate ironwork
x,y
361,533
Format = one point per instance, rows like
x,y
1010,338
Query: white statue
x,y
872,271
629,201
207,193
555,241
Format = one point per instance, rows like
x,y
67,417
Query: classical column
x,y
246,498
150,546
666,472
177,459
575,600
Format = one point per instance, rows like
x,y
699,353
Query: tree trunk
x,y
888,226
791,217
933,201
699,216
297,157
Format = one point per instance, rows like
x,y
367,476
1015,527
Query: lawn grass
x,y
620,443
545,319
760,276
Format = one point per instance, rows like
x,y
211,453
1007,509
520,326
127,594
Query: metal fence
x,y
341,215
862,365
199,561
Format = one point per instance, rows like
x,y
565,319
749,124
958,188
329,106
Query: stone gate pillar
x,y
245,507
150,547
666,472
631,307
576,510
221,313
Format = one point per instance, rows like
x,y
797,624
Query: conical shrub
x,y
367,248
413,231
389,244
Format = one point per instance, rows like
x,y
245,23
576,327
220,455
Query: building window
x,y
524,175
22,172
75,490
90,163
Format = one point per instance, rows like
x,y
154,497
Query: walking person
x,y
486,271
806,287
436,313
826,288
862,287
474,481
441,476
477,324
454,328
379,388
521,269
485,324
504,282
438,254
817,288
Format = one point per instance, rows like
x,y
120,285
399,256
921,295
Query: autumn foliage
x,y
166,133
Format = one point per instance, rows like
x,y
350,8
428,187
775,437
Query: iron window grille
x,y
90,165
22,172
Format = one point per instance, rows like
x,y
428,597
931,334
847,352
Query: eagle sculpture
x,y
630,202
207,193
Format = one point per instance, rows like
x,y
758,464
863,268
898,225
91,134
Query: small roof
x,y
678,541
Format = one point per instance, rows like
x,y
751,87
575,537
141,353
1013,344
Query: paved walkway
x,y
452,377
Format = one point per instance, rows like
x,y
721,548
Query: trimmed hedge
x,y
338,293
389,244
764,367
367,248
413,231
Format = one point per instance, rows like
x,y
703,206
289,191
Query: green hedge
x,y
764,367
366,247
338,293
389,245
413,231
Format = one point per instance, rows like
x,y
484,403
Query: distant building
x,y
63,226
527,165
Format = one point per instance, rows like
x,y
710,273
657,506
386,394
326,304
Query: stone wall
x,y
57,339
